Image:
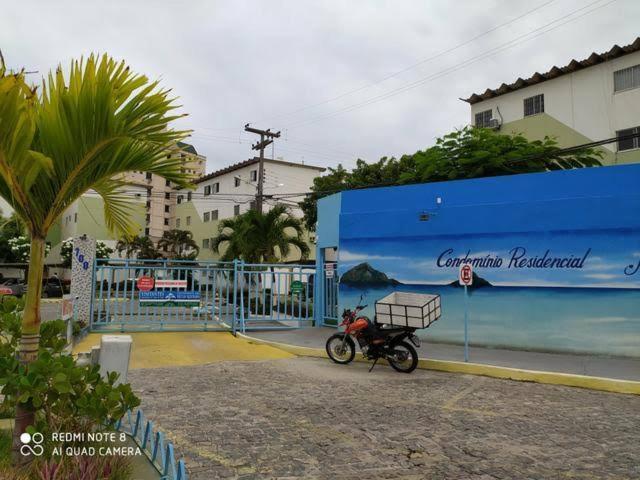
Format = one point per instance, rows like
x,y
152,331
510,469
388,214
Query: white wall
x,y
279,179
583,100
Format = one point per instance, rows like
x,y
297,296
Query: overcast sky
x,y
316,70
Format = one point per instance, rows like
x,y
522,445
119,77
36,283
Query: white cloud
x,y
318,51
602,276
346,256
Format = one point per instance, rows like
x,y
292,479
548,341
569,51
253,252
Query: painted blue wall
x,y
561,250
328,230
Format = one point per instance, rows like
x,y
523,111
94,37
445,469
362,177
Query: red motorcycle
x,y
376,341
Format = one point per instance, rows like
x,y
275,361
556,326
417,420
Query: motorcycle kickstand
x,y
374,364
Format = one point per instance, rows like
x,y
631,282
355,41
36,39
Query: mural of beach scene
x,y
543,292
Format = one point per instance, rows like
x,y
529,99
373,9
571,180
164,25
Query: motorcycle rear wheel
x,y
404,358
339,353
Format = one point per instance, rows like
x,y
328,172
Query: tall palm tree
x,y
140,246
179,244
81,133
261,237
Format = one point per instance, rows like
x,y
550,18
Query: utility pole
x,y
266,138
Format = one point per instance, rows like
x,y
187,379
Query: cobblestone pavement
x,y
308,418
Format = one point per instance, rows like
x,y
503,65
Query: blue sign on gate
x,y
168,298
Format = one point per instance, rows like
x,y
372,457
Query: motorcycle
x,y
376,341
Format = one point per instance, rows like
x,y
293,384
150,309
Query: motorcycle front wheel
x,y
403,358
339,349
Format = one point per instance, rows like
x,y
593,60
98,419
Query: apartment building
x,y
584,101
231,191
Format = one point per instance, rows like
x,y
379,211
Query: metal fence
x,y
156,295
330,293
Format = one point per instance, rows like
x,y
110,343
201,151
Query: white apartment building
x,y
584,101
231,191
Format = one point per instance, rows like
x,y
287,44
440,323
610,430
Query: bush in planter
x,y
64,396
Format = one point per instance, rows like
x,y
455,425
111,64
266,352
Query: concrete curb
x,y
552,378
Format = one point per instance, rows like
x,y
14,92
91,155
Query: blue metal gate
x,y
154,295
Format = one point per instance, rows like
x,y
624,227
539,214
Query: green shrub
x,y
63,395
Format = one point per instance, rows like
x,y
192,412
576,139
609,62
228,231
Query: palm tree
x,y
179,244
77,135
261,237
141,247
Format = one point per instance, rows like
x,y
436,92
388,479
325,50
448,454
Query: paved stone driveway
x,y
309,418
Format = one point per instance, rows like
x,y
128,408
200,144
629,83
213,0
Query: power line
x,y
414,65
502,47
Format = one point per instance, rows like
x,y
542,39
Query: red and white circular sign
x,y
6,291
145,283
465,277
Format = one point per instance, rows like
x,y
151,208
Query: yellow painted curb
x,y
552,378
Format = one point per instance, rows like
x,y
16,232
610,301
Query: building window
x,y
214,214
148,218
205,243
206,216
75,218
252,205
149,175
534,105
483,119
166,209
254,175
189,196
146,232
626,78
177,223
236,210
207,190
166,222
179,199
216,187
167,195
148,204
628,143
188,220
236,181
148,192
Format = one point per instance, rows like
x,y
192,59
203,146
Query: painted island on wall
x,y
546,291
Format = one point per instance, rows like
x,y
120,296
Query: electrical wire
x,y
412,66
489,53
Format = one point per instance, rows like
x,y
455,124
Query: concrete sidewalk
x,y
590,365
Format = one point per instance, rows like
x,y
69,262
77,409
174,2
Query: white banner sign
x,y
171,284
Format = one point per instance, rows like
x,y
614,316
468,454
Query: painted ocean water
x,y
578,320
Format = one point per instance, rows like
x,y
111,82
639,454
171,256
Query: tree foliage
x,y
261,237
83,132
138,247
66,251
179,244
467,153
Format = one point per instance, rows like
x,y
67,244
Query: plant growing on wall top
x,y
83,131
467,153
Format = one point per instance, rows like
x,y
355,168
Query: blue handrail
x,y
161,454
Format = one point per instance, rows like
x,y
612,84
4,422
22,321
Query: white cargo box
x,y
418,310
